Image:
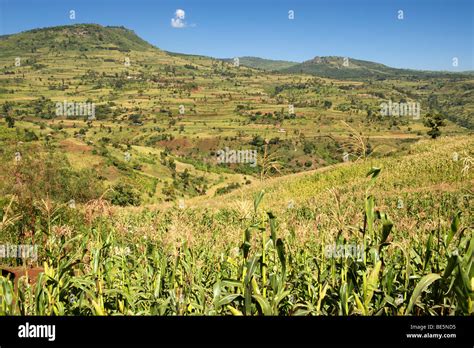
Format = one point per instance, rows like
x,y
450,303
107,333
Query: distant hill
x,y
334,67
350,68
262,63
82,37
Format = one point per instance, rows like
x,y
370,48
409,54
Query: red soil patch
x,y
173,144
17,272
207,144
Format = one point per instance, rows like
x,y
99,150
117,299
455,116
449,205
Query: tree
x,y
185,176
308,147
10,121
7,108
257,141
434,122
124,194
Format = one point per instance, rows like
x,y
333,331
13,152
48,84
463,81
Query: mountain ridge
x,y
347,67
322,66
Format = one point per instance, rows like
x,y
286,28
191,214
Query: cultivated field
x,y
345,212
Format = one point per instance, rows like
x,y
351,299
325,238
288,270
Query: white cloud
x,y
177,23
178,20
179,14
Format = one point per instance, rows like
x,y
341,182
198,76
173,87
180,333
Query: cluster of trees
x,y
124,194
226,189
183,183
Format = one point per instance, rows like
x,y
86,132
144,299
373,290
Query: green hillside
x,y
80,37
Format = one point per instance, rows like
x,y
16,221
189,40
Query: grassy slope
x,y
426,167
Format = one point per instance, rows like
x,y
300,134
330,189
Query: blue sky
x,y
431,34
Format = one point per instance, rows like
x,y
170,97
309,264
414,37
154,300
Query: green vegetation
x,y
434,122
134,215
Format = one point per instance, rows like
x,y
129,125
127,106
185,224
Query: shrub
x,y
124,195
